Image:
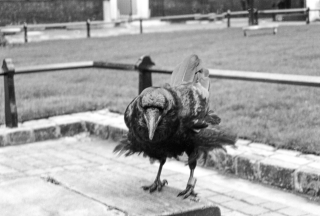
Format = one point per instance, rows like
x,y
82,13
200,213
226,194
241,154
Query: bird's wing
x,y
212,118
186,70
193,83
212,138
203,78
190,70
129,112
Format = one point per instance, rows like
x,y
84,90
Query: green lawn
x,y
281,115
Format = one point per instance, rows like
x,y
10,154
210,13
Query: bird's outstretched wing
x,y
212,138
129,112
186,70
190,70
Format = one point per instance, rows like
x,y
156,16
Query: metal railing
x,y
211,16
88,25
145,67
257,12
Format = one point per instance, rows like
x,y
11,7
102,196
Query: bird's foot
x,y
188,192
189,189
157,185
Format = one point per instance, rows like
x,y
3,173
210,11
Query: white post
x,y
313,4
143,9
106,10
114,10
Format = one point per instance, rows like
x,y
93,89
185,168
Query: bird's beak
x,y
152,117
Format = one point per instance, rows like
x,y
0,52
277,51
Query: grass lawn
x,y
281,115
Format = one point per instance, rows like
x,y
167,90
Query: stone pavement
x,y
81,153
286,169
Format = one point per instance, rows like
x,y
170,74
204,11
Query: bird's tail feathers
x,y
228,138
123,147
203,154
222,135
218,137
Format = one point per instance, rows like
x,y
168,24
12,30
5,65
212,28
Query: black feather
x,y
212,118
183,108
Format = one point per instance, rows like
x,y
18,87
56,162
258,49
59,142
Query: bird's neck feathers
x,y
158,97
163,102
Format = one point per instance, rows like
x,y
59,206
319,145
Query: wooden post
x,y
308,16
228,17
88,28
11,115
25,28
141,29
273,17
256,17
145,78
251,12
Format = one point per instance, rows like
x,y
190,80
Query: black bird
x,y
164,122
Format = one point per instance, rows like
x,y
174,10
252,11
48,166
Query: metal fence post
x,y
11,114
141,27
228,17
308,16
273,17
88,28
251,12
25,28
257,17
145,78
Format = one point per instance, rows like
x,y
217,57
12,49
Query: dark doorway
x,y
284,4
157,8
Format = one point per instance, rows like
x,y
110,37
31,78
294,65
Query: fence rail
x,y
238,13
282,11
145,67
210,16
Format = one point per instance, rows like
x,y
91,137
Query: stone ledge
x,y
285,169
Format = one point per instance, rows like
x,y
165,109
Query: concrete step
x,y
36,197
121,189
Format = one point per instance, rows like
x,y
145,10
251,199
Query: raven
x,y
167,121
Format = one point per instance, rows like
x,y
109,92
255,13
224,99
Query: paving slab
x,y
122,190
36,197
253,161
83,153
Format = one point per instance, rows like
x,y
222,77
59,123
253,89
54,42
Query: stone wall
x,y
49,11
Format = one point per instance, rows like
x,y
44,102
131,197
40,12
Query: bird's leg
x,y
191,183
158,184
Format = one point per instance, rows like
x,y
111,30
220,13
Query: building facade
x,y
179,7
55,11
49,11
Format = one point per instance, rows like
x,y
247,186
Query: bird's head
x,y
156,105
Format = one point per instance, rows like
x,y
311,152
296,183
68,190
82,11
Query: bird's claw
x,y
189,189
188,192
157,185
